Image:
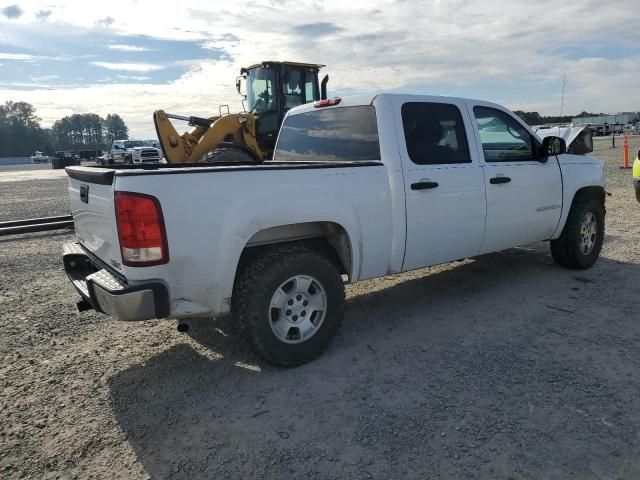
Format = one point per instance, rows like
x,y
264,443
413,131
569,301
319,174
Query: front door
x,y
524,189
444,182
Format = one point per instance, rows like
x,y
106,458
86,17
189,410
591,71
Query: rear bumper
x,y
108,294
146,160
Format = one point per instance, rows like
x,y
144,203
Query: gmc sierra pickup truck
x,y
358,187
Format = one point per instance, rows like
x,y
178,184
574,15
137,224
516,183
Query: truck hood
x,y
579,140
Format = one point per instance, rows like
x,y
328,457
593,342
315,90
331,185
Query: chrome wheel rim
x,y
588,233
297,309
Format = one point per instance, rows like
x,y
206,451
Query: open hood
x,y
579,139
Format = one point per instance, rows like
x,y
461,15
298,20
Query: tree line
x,y
21,133
534,118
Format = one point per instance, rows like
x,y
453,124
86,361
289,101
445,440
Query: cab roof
x,y
293,64
369,98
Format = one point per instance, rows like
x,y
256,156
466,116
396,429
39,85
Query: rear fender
x,y
278,212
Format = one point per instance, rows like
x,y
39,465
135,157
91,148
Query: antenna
x,y
564,81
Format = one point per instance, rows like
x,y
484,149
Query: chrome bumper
x,y
109,294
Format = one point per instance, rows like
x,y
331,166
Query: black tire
x,y
229,155
567,249
257,283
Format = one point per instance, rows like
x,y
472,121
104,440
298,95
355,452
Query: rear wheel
x,y
581,240
289,302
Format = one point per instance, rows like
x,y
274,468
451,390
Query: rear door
x,y
524,190
444,182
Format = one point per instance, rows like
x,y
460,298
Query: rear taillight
x,y
327,102
143,239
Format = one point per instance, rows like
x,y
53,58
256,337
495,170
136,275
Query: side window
x,y
292,88
434,133
310,86
503,138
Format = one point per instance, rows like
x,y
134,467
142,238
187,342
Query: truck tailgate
x,y
91,193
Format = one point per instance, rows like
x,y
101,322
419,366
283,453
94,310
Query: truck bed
x,y
103,174
210,218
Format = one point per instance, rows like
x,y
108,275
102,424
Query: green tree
x,y
115,128
530,118
88,131
20,130
21,133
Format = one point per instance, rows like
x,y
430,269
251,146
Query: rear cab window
x,y
342,134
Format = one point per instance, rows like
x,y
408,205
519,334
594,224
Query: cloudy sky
x,y
133,57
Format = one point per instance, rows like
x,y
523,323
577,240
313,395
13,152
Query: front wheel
x,y
581,240
289,302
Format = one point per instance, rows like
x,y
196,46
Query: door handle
x,y
498,180
84,193
423,185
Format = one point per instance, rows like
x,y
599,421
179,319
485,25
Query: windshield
x,y
260,93
133,143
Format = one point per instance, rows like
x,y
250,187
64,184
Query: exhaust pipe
x,y
83,306
323,87
183,327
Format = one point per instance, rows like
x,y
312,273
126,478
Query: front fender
x,y
577,172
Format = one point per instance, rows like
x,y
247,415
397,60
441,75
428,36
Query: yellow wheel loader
x,y
272,88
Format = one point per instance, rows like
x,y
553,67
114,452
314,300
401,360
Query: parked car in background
x,y
66,158
131,152
39,157
90,155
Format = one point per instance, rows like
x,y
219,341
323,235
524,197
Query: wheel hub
x,y
297,309
588,233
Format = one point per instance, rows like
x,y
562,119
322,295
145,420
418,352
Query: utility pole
x,y
564,81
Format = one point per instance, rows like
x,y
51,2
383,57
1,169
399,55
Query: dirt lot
x,y
501,367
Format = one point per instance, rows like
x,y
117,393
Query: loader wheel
x,y
581,240
289,302
228,155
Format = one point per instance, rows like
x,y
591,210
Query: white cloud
x,y
44,78
18,56
129,66
138,78
512,47
127,48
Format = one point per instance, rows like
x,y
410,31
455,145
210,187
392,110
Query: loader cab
x,y
272,89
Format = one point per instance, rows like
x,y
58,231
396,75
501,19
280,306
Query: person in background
x,y
636,175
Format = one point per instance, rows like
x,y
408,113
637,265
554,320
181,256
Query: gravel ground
x,y
42,197
502,367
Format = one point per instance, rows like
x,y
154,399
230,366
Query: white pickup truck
x,y
131,152
359,187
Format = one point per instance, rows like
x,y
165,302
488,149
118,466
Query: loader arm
x,y
192,146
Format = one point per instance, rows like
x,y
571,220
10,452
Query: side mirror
x,y
553,146
239,85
